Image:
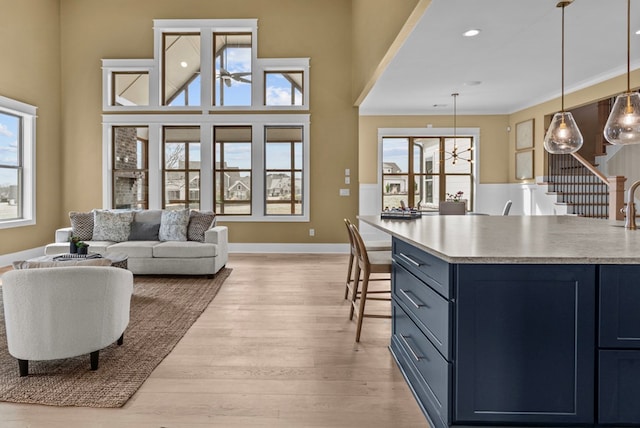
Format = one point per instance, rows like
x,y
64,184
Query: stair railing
x,y
571,172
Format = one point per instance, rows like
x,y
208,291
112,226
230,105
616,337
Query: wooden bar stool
x,y
370,246
367,263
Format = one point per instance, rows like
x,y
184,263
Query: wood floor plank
x,y
275,348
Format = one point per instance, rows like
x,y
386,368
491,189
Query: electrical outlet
x,y
347,180
312,232
344,192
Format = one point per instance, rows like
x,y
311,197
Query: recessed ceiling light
x,y
638,32
471,33
472,83
183,64
439,105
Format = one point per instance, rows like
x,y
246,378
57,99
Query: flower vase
x,y
73,249
83,250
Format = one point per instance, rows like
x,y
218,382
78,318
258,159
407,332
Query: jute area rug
x,y
162,310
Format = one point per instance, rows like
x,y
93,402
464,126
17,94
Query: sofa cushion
x,y
111,225
173,225
184,250
81,225
45,264
134,248
144,231
200,222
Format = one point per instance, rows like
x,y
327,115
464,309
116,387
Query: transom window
x,y
283,88
232,57
421,171
17,142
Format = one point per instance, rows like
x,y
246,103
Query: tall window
x,y
181,167
130,167
421,171
17,141
181,66
232,64
283,170
232,179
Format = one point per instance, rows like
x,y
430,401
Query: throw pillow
x,y
200,222
144,231
148,216
36,265
173,225
111,225
81,225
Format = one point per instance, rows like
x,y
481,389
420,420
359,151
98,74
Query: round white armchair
x,y
62,312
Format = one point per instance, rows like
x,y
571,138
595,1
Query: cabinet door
x,y
619,387
619,307
525,344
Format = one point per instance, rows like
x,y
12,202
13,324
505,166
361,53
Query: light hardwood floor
x,y
274,349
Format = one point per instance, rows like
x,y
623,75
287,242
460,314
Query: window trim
x,y
474,133
206,122
28,115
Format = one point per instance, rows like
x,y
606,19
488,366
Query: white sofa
x,y
159,257
63,312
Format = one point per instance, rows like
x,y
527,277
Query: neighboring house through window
x,y
17,163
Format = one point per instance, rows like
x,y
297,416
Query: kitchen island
x,y
517,320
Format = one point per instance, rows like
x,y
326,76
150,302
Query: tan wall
x,y
379,28
493,141
30,72
319,29
589,95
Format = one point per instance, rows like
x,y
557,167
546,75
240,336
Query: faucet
x,y
630,213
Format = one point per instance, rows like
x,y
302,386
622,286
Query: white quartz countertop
x,y
517,239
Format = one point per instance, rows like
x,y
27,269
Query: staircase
x,y
576,188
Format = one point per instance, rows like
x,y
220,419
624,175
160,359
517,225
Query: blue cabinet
x,y
525,344
517,344
619,342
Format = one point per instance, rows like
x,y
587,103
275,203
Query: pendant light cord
x,y
628,46
562,96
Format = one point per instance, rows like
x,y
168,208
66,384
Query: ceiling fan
x,y
227,76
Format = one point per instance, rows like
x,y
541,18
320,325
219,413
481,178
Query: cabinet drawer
x,y
619,303
428,268
619,387
431,370
429,310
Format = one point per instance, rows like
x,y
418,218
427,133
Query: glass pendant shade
x,y
623,125
563,135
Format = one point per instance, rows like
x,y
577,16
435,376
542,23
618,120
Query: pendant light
x,y
454,154
623,125
563,135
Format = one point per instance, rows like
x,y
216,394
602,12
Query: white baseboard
x,y
289,248
8,259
